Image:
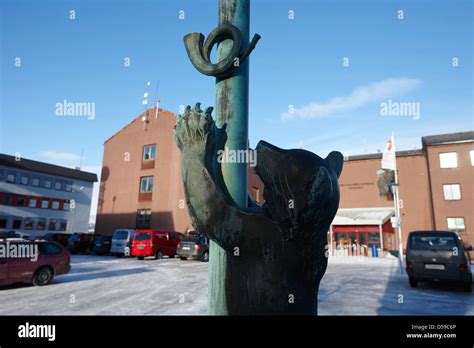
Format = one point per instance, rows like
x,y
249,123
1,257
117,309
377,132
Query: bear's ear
x,y
335,161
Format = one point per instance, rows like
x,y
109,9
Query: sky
x,y
320,77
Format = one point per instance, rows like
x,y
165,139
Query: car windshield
x,y
74,237
191,239
142,236
444,243
119,235
103,239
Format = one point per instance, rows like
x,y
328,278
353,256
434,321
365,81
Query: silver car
x,y
438,256
122,242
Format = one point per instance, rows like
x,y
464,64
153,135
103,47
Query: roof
x,y
363,216
26,164
150,111
450,138
404,153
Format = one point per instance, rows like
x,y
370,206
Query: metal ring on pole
x,y
199,51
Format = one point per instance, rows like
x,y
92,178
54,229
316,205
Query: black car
x,y
102,245
81,243
439,256
61,238
194,246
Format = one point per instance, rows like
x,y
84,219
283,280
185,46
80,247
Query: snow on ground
x,y
125,286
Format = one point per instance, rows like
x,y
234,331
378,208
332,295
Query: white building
x,y
37,198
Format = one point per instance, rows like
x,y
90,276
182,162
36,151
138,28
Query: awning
x,y
362,216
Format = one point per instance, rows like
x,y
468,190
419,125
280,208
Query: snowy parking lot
x,y
108,285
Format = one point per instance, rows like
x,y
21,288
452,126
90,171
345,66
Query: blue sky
x,y
297,62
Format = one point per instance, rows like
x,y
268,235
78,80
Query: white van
x,y
122,242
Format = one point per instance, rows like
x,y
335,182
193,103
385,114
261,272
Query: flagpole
x,y
397,208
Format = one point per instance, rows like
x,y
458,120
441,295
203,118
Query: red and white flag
x,y
388,156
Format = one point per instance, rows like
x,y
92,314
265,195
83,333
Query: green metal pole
x,y
232,94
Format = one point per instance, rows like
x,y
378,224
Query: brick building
x,y
436,192
141,184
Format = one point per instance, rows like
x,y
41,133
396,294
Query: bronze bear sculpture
x,y
282,245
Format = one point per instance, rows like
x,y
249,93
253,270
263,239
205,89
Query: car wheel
x,y
140,257
159,255
171,256
468,287
42,276
205,257
183,258
413,282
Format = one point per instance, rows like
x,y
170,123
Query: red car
x,y
155,243
39,263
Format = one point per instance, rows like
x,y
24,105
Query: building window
x,y
16,224
20,201
149,152
3,222
68,187
146,184
63,225
456,224
57,185
143,217
44,204
66,206
471,153
35,182
28,224
7,200
1,174
24,180
47,183
41,225
55,205
452,192
11,177
448,160
52,225
32,203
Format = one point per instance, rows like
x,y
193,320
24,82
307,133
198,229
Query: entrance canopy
x,y
363,216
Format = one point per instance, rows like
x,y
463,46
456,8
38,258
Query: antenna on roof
x,y
82,155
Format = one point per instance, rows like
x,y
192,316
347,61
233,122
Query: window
x,y
452,192
35,182
10,177
52,224
68,186
1,174
16,224
471,153
456,224
55,205
20,201
24,180
7,200
44,204
63,225
3,222
48,249
57,185
32,203
146,184
28,224
448,160
149,152
47,183
41,225
143,217
66,206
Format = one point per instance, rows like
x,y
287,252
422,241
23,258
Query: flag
x,y
148,83
388,156
145,95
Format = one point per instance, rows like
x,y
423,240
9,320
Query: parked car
x,y
53,260
155,243
102,245
439,256
61,238
81,243
9,234
194,246
122,242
